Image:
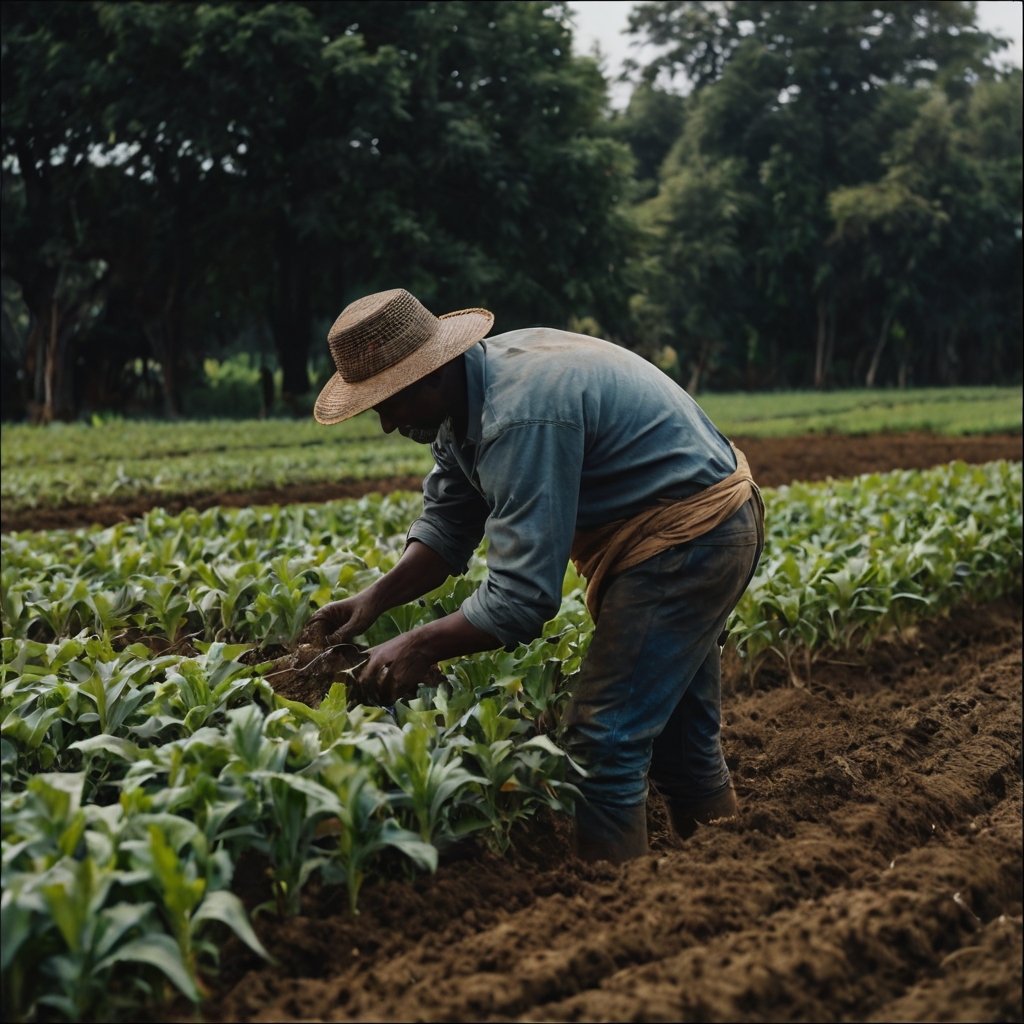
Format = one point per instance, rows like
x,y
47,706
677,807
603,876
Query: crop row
x,y
117,440
135,776
65,464
61,483
843,561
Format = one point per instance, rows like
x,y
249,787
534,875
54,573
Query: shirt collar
x,y
475,362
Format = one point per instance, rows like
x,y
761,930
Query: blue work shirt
x,y
565,432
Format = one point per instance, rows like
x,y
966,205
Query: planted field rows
x,y
146,753
113,463
77,464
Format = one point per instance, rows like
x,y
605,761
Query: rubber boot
x,y
686,815
614,834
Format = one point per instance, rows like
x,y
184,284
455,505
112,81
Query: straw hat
x,y
387,341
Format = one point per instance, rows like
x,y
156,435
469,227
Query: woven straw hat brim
x,y
455,334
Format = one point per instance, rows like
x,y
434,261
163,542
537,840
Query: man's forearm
x,y
454,636
417,572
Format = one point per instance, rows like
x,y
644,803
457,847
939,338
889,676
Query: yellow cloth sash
x,y
605,551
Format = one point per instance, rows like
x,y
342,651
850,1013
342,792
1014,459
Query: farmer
x,y
556,445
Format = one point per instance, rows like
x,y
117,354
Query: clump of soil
x,y
307,672
774,461
874,873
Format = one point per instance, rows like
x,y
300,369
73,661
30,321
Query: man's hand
x,y
419,570
395,669
342,621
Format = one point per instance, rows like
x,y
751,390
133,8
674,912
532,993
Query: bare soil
x,y
71,517
774,461
874,873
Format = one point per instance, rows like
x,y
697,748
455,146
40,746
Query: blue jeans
x,y
649,694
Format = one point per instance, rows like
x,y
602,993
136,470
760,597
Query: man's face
x,y
416,412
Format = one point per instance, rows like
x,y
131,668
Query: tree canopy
x,y
192,172
845,173
837,198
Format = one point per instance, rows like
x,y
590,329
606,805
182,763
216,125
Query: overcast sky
x,y
602,22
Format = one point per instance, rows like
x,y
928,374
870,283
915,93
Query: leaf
x,y
229,652
15,928
545,743
117,920
226,907
423,855
160,951
116,745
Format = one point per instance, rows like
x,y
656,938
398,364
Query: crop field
x,y
948,411
116,463
197,809
78,464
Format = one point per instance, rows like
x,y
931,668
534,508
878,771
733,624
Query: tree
x,y
46,128
800,100
234,165
512,187
940,229
696,223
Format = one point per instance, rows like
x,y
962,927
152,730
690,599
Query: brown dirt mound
x,y
874,873
774,461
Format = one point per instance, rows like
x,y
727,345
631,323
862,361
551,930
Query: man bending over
x,y
556,445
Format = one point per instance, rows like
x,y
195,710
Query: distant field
x,y
936,410
80,464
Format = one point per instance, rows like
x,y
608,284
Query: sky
x,y
602,22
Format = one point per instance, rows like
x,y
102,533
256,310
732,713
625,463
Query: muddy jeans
x,y
649,694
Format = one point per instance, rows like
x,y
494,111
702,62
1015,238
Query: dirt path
x,y
774,461
874,874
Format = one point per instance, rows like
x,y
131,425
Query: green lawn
x,y
67,464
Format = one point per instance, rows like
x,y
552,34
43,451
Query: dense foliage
x,y
115,461
837,200
136,773
182,176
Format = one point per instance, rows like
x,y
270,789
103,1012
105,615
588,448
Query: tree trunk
x,y
172,350
49,352
38,295
59,399
830,348
952,358
266,392
883,337
820,350
162,328
904,371
291,319
35,365
164,351
698,368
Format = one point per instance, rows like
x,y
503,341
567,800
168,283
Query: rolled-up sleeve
x,y
532,473
454,512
